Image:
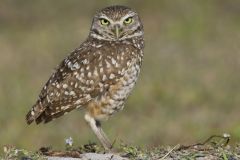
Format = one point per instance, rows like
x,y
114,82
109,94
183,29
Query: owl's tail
x,y
39,113
34,113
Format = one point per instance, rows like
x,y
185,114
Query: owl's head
x,y
116,23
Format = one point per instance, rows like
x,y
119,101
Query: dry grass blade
x,y
165,156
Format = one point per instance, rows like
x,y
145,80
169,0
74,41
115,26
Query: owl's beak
x,y
117,28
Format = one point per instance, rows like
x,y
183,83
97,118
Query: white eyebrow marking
x,y
127,16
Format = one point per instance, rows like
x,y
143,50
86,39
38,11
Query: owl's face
x,y
116,23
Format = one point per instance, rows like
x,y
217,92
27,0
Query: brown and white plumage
x,y
98,75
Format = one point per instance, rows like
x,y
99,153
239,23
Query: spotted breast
x,y
127,61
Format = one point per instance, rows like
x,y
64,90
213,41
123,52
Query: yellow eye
x,y
128,20
104,22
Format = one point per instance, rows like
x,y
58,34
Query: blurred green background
x,y
189,86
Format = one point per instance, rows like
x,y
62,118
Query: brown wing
x,y
85,74
61,90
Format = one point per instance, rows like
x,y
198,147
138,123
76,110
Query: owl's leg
x,y
96,127
103,134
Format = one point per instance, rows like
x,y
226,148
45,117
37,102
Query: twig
x,y
165,156
224,136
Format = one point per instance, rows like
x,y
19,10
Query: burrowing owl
x,y
98,75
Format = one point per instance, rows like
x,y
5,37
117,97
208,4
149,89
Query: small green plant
x,y
12,153
224,156
133,152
